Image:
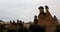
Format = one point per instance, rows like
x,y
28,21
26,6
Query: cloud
x,y
25,9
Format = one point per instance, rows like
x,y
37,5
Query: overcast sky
x,y
26,9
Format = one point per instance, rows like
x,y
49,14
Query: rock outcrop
x,y
45,19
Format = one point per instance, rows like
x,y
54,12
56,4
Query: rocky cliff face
x,y
45,19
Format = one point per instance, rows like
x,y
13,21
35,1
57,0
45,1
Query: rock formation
x,y
45,19
35,20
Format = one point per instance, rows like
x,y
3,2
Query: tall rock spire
x,y
41,9
47,8
41,16
35,20
48,15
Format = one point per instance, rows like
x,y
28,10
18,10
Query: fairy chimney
x,y
46,19
41,16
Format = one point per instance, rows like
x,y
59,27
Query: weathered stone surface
x,y
45,19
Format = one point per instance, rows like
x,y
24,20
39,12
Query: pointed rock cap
x,y
20,21
46,7
41,7
35,16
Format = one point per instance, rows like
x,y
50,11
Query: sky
x,y
26,9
